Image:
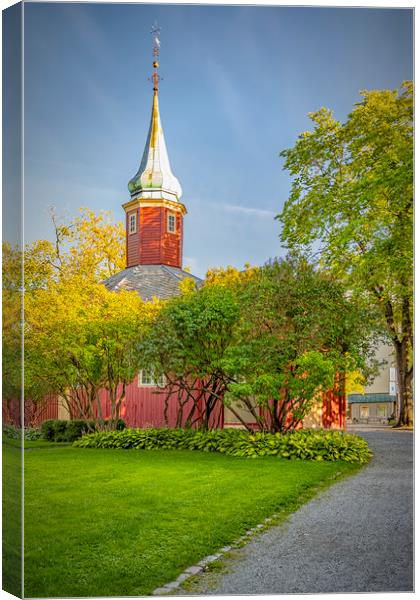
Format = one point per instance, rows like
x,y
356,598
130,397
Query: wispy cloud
x,y
248,210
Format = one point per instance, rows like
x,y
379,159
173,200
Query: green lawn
x,y
12,519
120,523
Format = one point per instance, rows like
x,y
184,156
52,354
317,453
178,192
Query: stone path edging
x,y
204,562
354,537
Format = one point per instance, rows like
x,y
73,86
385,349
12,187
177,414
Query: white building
x,y
378,402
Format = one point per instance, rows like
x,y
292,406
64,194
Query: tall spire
x,y
155,179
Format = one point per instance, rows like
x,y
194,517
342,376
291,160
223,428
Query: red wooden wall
x,y
34,414
144,407
333,410
153,244
132,241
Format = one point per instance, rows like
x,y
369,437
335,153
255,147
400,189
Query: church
x,y
154,222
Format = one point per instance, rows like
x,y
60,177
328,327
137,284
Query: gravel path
x,y
357,536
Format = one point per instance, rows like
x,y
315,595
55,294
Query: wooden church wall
x,y
132,241
145,407
34,413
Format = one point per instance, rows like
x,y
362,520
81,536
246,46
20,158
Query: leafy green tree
x,y
34,396
187,344
351,204
11,331
270,340
80,339
298,335
85,250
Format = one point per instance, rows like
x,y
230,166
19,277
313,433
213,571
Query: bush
x,y
75,429
32,434
15,433
60,431
304,444
47,430
56,430
12,432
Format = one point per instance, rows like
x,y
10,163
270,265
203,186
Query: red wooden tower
x,y
154,215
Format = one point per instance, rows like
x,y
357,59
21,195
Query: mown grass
x,y
12,519
120,523
33,443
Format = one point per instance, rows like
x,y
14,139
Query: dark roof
x,y
159,281
367,398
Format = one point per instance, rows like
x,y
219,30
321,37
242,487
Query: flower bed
x,y
304,444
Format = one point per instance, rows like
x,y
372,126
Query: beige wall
x,y
312,421
381,383
370,410
232,420
63,413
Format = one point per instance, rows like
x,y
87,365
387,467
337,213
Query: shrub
x,y
56,430
32,433
15,433
75,429
304,444
12,432
60,430
47,430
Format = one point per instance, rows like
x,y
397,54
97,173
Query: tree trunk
x,y
405,382
342,399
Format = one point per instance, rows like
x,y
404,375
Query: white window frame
x,y
366,412
132,223
170,217
151,381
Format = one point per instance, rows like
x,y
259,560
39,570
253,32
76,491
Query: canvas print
x,y
207,300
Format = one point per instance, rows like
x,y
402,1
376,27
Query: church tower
x,y
154,214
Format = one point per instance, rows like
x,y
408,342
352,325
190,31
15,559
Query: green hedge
x,y
305,444
56,430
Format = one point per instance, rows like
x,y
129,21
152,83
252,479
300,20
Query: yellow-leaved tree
x,y
90,245
230,276
79,337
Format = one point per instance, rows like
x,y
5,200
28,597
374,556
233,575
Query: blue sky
x,y
238,83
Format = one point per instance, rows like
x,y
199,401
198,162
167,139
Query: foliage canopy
x,y
351,205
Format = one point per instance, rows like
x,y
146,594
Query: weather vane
x,y
155,31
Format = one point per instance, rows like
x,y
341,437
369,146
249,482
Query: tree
x,y
270,340
299,333
229,276
80,339
351,204
90,245
86,249
33,398
11,332
187,344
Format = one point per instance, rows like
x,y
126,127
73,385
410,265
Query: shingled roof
x,y
150,281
